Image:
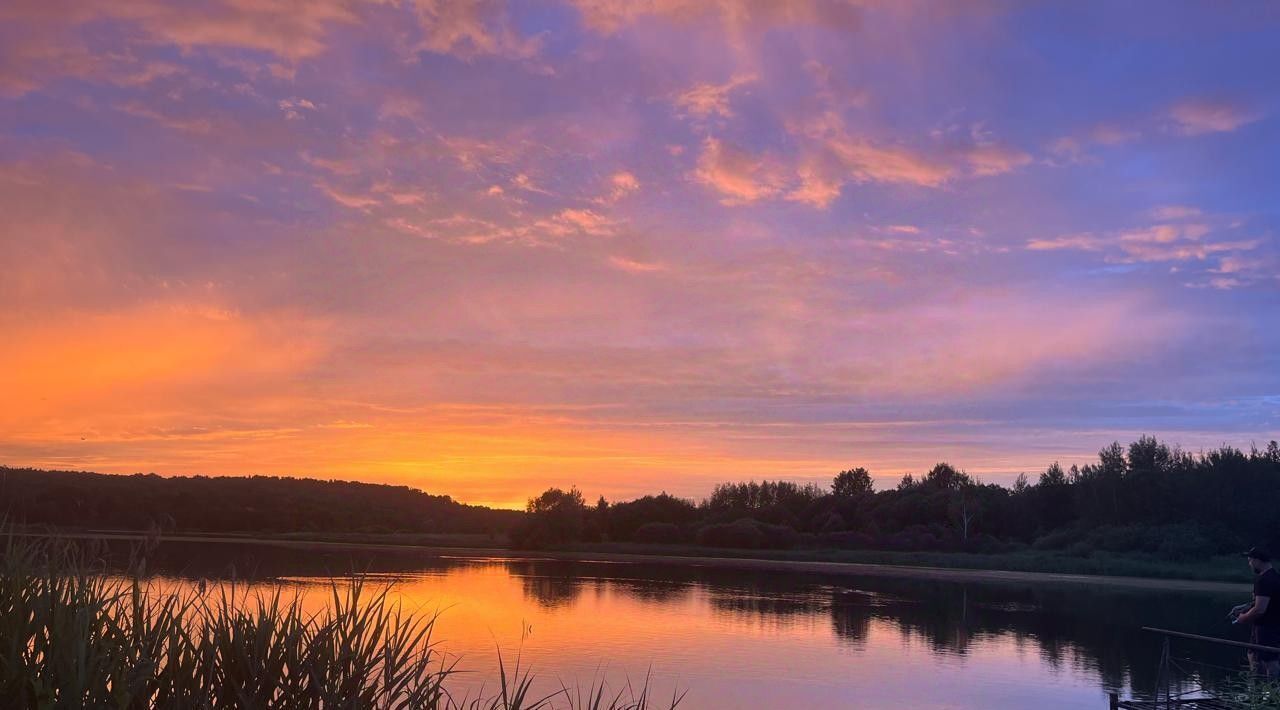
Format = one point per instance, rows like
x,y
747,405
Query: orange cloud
x,y
111,367
569,221
621,184
738,176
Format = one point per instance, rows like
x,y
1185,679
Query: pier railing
x,y
1198,698
1211,639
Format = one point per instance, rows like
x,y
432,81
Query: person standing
x,y
1263,613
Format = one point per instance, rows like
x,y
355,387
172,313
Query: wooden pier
x,y
1205,703
1164,698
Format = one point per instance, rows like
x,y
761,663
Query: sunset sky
x,y
482,248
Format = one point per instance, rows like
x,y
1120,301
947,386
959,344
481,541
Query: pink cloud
x,y
469,28
1181,251
991,159
1175,212
355,201
199,124
867,162
704,100
859,159
577,220
1175,242
1084,242
1199,116
903,228
1074,148
1111,135
737,175
290,30
816,188
620,184
634,266
609,16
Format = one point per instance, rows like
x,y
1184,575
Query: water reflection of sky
x,y
754,639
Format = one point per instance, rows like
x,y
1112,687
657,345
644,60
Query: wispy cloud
x,y
704,100
1199,116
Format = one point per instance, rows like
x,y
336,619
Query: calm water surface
x,y
758,639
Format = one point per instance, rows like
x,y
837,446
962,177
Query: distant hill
x,y
234,504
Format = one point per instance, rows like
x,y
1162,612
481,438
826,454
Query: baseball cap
x,y
1257,553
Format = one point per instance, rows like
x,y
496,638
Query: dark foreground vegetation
x,y
1148,502
72,636
75,499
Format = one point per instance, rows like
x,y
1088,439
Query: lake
x,y
754,639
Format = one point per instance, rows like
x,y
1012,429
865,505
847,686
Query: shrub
x,y
1057,540
1080,549
658,533
850,540
983,543
778,537
833,523
1185,543
742,533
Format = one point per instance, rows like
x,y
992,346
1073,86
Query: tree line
x,y
1148,498
78,499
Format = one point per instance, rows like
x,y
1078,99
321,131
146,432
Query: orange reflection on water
x,y
740,640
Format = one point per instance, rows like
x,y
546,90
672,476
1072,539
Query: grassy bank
x,y
1215,569
74,636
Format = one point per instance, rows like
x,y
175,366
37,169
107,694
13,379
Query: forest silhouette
x,y
1148,498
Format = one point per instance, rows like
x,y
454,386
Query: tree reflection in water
x,y
1094,630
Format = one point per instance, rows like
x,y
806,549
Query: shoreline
x,y
853,569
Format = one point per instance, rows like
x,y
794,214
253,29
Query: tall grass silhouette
x,y
74,635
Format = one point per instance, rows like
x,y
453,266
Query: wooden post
x,y
1114,701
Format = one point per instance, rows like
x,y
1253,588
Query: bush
x,y
1185,543
658,533
1057,540
1080,549
742,533
1171,542
985,544
849,540
833,523
779,537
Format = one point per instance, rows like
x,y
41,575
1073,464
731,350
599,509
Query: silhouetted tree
x,y
556,517
852,483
